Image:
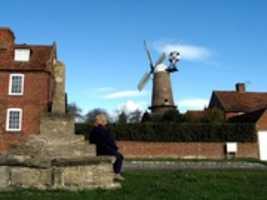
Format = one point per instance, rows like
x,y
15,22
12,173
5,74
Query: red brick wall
x,y
33,102
132,149
262,122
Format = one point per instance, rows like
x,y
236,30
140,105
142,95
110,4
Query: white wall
x,y
262,138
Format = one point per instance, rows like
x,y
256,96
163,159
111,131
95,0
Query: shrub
x,y
214,115
171,116
179,132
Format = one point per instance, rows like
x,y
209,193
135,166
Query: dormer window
x,y
22,55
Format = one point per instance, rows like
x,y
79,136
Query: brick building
x,y
238,102
26,87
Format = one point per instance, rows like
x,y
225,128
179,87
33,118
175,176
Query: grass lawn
x,y
184,185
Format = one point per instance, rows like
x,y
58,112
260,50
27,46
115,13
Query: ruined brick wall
x,y
132,149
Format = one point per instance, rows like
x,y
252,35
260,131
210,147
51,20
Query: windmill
x,y
162,97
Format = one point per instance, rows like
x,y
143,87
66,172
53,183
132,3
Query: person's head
x,y
101,119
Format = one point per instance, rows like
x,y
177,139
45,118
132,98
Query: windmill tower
x,y
162,96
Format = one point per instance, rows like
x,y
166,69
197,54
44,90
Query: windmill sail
x,y
149,57
161,59
143,81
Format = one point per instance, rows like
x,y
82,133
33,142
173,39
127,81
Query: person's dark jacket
x,y
104,141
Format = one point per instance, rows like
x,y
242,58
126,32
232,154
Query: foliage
x,y
132,117
90,116
75,111
214,115
168,116
135,116
122,118
193,185
180,132
171,116
146,117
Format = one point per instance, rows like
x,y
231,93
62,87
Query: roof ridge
x,y
34,45
235,92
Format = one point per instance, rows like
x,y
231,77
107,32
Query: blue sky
x,y
101,43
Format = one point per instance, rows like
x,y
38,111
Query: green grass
x,y
184,185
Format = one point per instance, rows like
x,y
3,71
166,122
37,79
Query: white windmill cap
x,y
160,68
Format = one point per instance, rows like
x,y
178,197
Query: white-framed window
x,y
14,119
22,55
16,84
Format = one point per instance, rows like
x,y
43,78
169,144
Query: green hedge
x,y
179,132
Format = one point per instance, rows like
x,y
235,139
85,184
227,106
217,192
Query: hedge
x,y
179,132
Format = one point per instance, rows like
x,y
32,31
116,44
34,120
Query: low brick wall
x,y
132,149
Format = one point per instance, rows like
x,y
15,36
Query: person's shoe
x,y
118,177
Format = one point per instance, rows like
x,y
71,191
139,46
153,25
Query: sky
x,y
221,43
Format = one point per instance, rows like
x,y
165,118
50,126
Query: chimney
x,y
7,39
240,87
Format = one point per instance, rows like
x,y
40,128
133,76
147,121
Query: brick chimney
x,y
240,87
7,40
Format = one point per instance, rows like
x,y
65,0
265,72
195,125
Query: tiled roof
x,y
40,57
233,101
197,114
251,117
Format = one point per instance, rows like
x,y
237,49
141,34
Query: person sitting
x,y
105,144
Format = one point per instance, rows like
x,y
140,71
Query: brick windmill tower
x,y
162,96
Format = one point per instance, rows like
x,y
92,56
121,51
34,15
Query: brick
x,y
131,149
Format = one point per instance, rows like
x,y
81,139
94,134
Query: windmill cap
x,y
160,68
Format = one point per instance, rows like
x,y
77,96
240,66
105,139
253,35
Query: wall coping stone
x,y
82,161
46,163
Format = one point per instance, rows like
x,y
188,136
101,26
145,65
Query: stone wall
x,y
74,174
56,140
131,149
59,101
56,159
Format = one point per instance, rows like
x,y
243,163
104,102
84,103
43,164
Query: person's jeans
x,y
118,163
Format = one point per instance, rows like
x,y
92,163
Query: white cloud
x,y
131,106
187,51
124,94
192,104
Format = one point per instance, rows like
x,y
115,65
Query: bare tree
x,y
135,116
75,111
90,116
122,118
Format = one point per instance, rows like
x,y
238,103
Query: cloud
x,y
124,94
192,104
131,106
187,51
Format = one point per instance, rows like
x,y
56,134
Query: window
x,y
16,84
14,119
22,55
